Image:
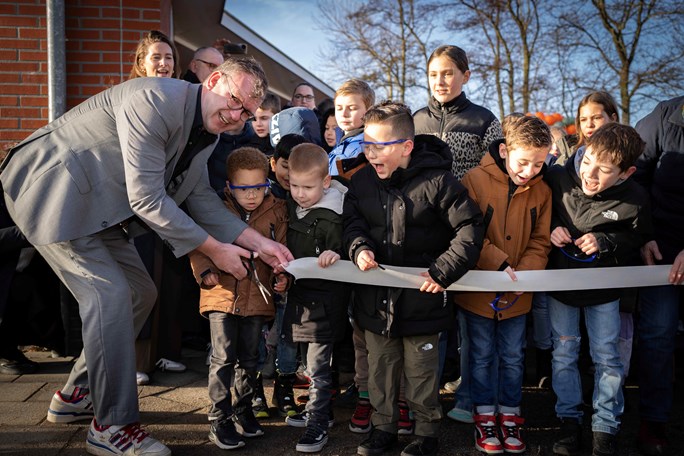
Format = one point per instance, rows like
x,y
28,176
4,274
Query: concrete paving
x,y
174,406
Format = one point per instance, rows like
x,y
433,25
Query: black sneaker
x,y
222,433
422,446
283,396
16,363
378,442
570,441
313,440
603,444
302,419
349,397
247,425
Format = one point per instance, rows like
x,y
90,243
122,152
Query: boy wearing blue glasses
x,y
516,203
238,309
406,209
600,219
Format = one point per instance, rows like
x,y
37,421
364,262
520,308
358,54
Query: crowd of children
x,y
447,189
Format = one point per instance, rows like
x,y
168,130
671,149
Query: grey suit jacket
x,y
110,158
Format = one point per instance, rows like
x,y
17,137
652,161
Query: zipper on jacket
x,y
442,121
388,242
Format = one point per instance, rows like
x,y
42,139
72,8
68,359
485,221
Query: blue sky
x,y
289,25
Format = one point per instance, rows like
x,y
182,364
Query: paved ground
x,y
174,411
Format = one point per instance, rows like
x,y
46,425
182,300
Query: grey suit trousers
x,y
115,295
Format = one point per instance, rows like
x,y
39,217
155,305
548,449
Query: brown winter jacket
x,y
270,220
517,231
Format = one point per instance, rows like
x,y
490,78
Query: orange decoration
x,y
571,129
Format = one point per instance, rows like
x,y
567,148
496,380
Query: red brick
x,y
26,66
6,54
32,10
34,78
125,57
18,21
70,22
110,81
80,56
152,15
86,79
99,3
9,123
78,34
39,56
20,89
39,33
89,91
128,13
8,9
82,12
143,4
88,23
9,77
45,113
9,101
73,68
101,68
127,35
143,26
8,32
101,46
34,101
33,124
8,43
73,45
19,112
14,135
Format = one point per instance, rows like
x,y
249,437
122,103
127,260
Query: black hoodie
x,y
420,216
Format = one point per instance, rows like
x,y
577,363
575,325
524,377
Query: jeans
x,y
603,329
286,352
495,342
318,359
235,354
541,325
656,330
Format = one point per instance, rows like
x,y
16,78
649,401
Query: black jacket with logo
x,y
419,217
619,218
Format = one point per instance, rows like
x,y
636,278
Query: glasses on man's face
x,y
498,304
238,105
573,252
379,146
212,66
250,190
300,97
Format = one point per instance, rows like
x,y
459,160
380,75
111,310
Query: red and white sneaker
x,y
486,439
360,421
510,432
405,424
68,410
128,440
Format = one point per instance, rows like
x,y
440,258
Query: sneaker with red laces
x,y
64,409
486,439
405,425
360,420
126,440
509,425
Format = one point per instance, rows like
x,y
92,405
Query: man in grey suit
x,y
80,187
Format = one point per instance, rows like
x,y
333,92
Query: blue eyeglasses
x,y
251,189
505,304
379,146
573,252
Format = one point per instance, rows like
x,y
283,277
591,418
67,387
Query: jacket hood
x,y
458,104
429,152
302,121
332,199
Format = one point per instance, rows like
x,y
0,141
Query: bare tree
x,y
385,42
631,47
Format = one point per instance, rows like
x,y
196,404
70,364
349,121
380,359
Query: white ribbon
x,y
549,280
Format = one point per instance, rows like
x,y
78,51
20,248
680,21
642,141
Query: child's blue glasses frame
x,y
494,303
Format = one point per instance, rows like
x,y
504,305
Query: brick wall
x,y
101,38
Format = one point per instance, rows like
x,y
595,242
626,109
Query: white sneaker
x,y
171,366
63,410
141,378
128,440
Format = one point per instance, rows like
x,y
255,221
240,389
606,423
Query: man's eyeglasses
x,y
300,97
250,190
380,146
212,66
504,304
573,252
238,105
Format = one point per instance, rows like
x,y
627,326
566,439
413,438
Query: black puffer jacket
x,y
660,169
467,128
619,218
421,217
